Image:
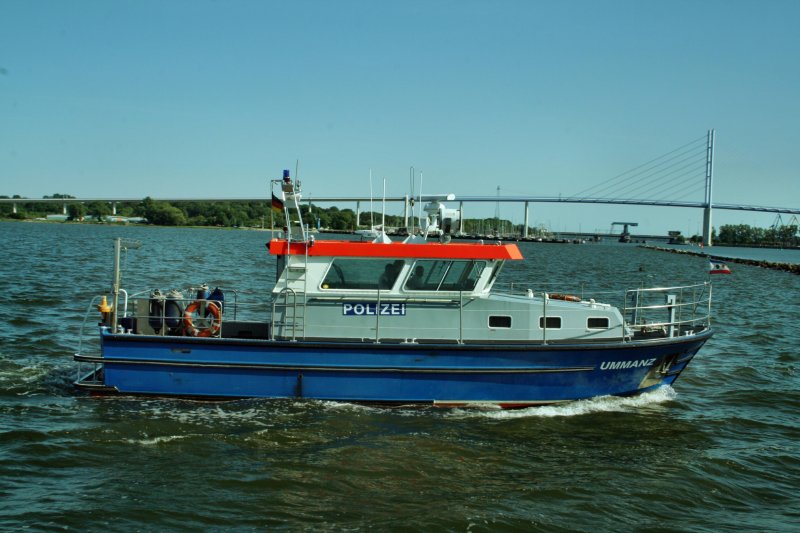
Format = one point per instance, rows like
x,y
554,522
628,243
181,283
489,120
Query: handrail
x,y
460,317
689,307
545,299
398,299
689,310
284,292
378,318
142,313
673,288
646,313
683,304
92,305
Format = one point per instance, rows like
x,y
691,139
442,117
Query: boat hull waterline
x,y
448,375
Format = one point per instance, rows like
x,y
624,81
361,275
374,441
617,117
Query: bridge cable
x,y
635,172
652,173
659,182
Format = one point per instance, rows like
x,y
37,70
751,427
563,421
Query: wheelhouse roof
x,y
430,250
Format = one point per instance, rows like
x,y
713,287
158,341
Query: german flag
x,y
277,204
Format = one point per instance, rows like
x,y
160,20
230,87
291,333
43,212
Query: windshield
x,y
354,273
444,275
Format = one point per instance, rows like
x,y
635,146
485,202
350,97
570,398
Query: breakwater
x,y
785,267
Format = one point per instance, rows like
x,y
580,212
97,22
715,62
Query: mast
x,y
291,199
371,209
115,284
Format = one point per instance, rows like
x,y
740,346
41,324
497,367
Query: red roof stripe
x,y
431,250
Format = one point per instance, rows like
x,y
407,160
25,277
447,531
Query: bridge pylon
x,y
707,241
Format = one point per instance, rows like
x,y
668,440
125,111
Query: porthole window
x,y
597,323
553,322
499,321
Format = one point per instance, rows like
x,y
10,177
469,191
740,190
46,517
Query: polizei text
x,y
369,309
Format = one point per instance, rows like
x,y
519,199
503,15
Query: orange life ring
x,y
212,330
565,297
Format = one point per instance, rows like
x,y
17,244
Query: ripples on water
x,y
717,452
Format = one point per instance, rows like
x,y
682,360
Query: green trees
x,y
98,210
161,213
743,234
76,212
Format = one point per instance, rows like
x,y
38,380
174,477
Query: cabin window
x,y
597,323
496,267
552,322
443,275
362,274
499,321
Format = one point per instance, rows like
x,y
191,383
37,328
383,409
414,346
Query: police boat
x,y
411,322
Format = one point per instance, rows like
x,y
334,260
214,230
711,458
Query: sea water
x,y
717,452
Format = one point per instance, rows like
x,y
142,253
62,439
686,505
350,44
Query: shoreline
x,y
784,267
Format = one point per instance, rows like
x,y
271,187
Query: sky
x,y
211,99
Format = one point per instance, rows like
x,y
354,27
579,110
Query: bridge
x,y
685,171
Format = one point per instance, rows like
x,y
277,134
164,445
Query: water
x,y
719,452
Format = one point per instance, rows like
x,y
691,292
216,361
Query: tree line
x,y
199,213
234,214
195,213
260,214
743,234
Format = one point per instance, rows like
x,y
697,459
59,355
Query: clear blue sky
x,y
213,98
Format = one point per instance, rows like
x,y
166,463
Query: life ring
x,y
211,309
565,297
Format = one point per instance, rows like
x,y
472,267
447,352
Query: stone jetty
x,y
786,267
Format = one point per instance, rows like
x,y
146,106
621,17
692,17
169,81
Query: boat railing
x,y
83,332
444,331
141,313
513,287
93,376
671,311
647,312
583,290
615,297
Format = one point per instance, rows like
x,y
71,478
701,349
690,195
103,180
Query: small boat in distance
x,y
411,322
373,231
367,233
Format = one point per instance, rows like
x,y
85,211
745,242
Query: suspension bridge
x,y
665,181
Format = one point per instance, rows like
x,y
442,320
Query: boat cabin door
x,y
279,266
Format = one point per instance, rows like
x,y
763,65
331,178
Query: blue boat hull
x,y
446,374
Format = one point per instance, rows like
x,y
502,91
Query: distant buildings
x,y
109,218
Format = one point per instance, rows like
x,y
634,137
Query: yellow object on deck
x,y
103,307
